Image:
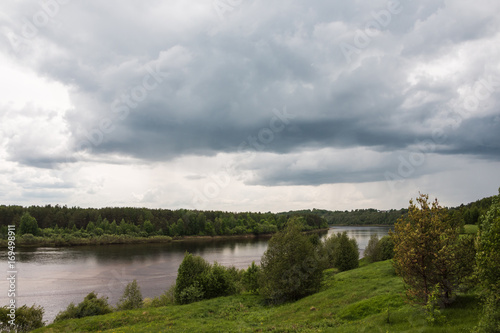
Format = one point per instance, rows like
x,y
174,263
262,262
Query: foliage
x,y
432,308
371,248
356,217
131,298
488,248
490,317
28,225
197,279
250,279
167,298
142,222
290,266
379,249
341,252
188,275
488,266
91,306
26,319
425,245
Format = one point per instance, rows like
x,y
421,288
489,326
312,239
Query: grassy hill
x,y
367,299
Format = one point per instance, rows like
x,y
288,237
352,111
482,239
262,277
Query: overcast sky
x,y
249,105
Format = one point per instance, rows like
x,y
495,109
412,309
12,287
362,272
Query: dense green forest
x,y
142,222
465,214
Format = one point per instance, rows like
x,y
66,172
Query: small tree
x,y
290,267
28,225
341,252
370,250
250,278
131,298
488,266
189,272
425,243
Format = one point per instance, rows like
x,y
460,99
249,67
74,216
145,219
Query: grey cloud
x,y
220,80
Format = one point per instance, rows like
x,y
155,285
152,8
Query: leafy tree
x,y
290,267
188,274
370,250
488,266
28,225
348,254
341,252
250,278
148,227
425,245
384,249
131,298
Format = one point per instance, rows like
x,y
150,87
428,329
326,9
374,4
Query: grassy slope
x,y
367,299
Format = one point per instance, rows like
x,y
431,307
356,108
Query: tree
x,y
250,278
28,225
188,276
371,248
488,266
425,245
291,268
341,252
131,298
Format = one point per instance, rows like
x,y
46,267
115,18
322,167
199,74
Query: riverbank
x,y
67,240
366,299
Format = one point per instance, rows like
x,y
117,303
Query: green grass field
x,y
367,299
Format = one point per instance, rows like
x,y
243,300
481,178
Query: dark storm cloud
x,y
156,81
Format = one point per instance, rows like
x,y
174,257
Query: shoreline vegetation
x,y
30,241
62,226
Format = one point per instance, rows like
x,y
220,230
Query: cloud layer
x,y
316,94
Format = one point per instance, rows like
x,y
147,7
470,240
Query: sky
x,y
249,105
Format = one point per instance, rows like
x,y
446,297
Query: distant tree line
x,y
463,214
143,222
357,216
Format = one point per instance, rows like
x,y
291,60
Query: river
x,y
54,277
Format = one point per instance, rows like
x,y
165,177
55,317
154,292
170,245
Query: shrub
x,y
341,252
91,306
189,272
291,268
250,278
384,249
26,319
190,294
197,279
131,298
370,250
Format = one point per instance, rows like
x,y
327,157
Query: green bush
x,y
250,278
26,319
197,279
370,250
131,298
91,306
379,249
291,267
341,252
167,298
189,272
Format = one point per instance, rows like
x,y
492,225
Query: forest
x,y
142,222
465,214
